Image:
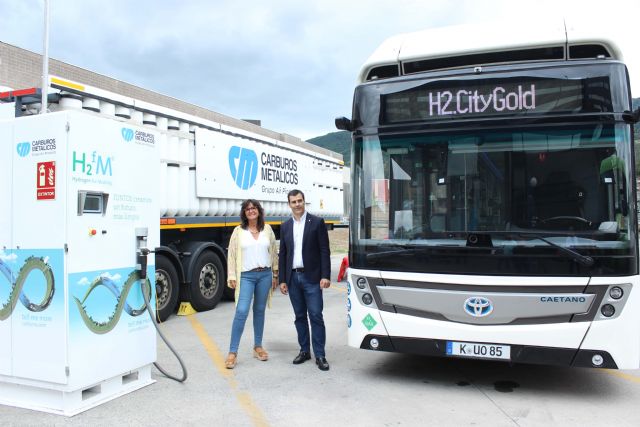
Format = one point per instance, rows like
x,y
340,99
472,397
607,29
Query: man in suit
x,y
304,270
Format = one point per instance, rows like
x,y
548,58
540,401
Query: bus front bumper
x,y
519,353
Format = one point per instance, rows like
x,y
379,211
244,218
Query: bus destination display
x,y
466,98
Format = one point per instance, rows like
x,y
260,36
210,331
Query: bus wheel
x,y
207,282
167,288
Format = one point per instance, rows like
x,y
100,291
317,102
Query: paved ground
x,y
339,240
362,388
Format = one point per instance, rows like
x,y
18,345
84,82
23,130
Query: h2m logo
x,y
94,165
243,165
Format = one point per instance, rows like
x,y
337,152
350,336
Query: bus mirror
x,y
343,123
631,117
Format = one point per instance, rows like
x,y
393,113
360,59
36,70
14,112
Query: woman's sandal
x,y
231,361
260,354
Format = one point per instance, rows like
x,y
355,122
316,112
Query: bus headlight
x,y
616,292
597,360
361,283
607,310
374,343
367,299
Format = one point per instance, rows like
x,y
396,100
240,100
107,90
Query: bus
x,y
493,210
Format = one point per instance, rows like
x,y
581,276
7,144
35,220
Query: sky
x,y
290,63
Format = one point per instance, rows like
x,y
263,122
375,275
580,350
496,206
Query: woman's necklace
x,y
254,231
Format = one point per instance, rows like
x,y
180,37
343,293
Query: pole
x,y
45,60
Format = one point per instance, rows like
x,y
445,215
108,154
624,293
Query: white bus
x,y
493,212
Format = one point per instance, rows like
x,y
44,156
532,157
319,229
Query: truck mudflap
x,y
572,357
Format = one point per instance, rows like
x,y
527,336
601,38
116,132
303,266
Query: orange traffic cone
x,y
343,268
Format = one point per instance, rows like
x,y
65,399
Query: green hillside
x,y
340,142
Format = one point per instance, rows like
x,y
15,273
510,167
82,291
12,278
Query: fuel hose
x,y
143,272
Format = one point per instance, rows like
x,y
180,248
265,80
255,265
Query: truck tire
x,y
207,282
167,288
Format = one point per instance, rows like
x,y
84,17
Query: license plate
x,y
483,351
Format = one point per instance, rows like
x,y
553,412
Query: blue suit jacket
x,y
315,250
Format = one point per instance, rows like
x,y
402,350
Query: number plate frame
x,y
476,350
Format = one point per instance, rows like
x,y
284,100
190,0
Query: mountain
x,y
340,142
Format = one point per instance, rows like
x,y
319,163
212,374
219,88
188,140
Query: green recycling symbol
x,y
369,322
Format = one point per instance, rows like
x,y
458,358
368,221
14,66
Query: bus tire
x,y
207,282
167,288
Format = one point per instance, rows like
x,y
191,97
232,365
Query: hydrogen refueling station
x,y
78,213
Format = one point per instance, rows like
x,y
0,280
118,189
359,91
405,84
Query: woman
x,y
252,267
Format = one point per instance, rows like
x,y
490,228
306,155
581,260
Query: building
x,y
21,68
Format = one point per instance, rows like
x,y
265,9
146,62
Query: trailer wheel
x,y
167,288
207,282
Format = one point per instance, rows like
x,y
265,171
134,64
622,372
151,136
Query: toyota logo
x,y
478,306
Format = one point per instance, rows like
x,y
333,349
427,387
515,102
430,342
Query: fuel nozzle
x,y
141,251
142,264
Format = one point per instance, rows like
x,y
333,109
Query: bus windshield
x,y
535,199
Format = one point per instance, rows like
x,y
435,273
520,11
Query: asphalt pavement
x,y
362,388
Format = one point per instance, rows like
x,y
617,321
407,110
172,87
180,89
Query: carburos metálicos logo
x,y
127,134
243,165
36,147
23,149
138,136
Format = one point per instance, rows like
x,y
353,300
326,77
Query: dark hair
x,y
243,216
294,192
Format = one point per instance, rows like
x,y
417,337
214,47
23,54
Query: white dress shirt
x,y
298,232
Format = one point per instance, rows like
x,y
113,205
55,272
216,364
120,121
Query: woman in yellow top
x,y
252,265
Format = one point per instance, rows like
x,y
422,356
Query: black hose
x,y
155,325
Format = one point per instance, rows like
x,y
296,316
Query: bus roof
x,y
479,44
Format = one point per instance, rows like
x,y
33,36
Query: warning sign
x,y
46,181
369,322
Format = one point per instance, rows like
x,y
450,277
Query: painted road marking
x,y
216,356
622,375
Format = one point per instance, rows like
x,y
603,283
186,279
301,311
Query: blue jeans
x,y
252,284
306,298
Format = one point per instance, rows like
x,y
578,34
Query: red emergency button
x,y
93,232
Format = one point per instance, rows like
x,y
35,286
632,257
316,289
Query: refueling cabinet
x,y
79,209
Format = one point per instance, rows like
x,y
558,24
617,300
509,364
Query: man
x,y
304,270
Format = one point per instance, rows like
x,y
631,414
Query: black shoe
x,y
302,357
322,363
